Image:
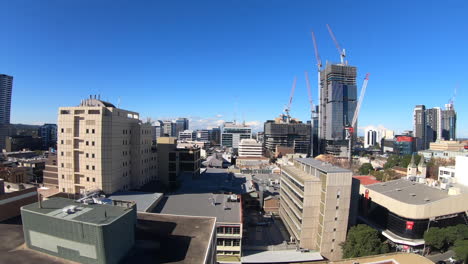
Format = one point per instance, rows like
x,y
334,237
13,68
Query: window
x,y
92,131
61,141
87,167
62,130
337,208
331,250
94,179
63,176
87,155
333,240
92,143
93,167
228,242
62,165
236,230
87,179
336,218
236,243
87,143
61,153
87,131
92,155
219,242
63,189
334,229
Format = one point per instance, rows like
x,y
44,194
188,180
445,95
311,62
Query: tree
x,y
365,168
362,241
435,238
461,250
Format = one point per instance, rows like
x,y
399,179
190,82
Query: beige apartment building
x,y
103,147
315,201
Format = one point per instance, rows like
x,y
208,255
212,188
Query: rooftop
x,y
323,166
96,214
401,258
201,204
144,200
366,179
171,239
408,192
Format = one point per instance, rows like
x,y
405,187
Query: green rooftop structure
x,y
85,233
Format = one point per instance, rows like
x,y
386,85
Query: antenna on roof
x,y
118,102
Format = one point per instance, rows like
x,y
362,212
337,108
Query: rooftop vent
x,y
427,199
398,189
412,194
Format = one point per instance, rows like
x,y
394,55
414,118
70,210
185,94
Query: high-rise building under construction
x,y
338,100
286,132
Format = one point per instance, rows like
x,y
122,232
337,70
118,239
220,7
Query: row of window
x,y
92,131
227,230
222,252
228,242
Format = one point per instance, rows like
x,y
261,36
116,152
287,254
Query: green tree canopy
x,y
365,168
435,237
461,250
362,241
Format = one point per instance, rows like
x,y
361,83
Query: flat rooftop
x,y
144,200
321,165
395,258
171,239
408,192
96,214
201,204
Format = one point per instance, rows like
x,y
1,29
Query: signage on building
x,y
409,225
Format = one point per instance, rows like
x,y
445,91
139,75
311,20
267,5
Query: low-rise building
x,y
173,161
315,202
93,233
228,212
250,148
11,201
403,210
442,154
50,173
447,145
187,135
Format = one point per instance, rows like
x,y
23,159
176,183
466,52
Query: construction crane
x,y
313,109
341,51
313,114
350,127
287,109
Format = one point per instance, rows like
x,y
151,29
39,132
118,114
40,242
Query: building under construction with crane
x,y
338,104
285,134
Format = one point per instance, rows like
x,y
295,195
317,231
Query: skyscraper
x,y
6,86
338,94
434,124
181,124
370,138
48,134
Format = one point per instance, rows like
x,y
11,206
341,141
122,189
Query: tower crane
x,y
313,110
287,109
313,115
350,127
341,51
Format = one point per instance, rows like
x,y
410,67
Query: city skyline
x,y
239,58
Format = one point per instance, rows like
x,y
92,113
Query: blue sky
x,y
205,59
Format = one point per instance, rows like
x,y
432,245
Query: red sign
x,y
465,147
367,194
409,225
405,139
